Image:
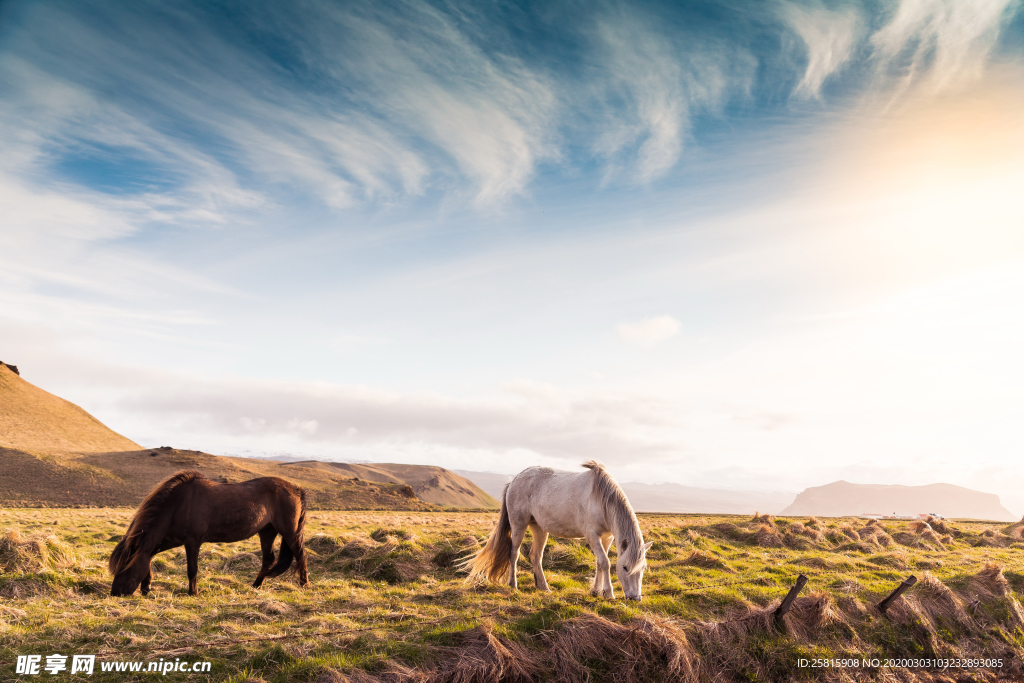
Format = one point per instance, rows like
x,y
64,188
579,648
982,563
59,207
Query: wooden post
x,y
900,589
787,602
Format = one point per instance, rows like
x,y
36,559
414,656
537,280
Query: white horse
x,y
586,505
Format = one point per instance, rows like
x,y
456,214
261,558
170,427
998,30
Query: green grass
x,y
386,593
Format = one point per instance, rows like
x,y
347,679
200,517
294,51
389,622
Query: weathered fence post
x,y
900,589
787,602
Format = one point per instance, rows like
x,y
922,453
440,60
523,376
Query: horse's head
x,y
630,568
127,580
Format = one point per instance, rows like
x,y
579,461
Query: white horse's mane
x,y
623,519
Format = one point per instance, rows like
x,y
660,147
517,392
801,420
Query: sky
x,y
724,244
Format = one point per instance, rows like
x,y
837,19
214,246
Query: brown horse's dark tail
x,y
296,547
127,550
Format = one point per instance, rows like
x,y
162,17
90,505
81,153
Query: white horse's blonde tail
x,y
494,559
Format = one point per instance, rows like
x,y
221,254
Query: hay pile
x,y
35,553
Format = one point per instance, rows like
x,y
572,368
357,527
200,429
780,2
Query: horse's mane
x,y
127,549
623,518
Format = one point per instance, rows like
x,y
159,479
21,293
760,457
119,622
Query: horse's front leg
x,y
603,578
267,536
540,539
192,560
147,580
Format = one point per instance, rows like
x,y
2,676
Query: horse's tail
x,y
495,558
288,552
127,550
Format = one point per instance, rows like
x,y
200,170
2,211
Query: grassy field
x,y
387,603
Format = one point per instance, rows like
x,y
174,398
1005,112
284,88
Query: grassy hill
x,y
123,478
33,419
432,484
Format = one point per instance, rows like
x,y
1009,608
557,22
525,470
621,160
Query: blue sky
x,y
725,244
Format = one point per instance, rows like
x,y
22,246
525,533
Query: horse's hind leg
x,y
267,536
540,539
299,551
518,534
192,560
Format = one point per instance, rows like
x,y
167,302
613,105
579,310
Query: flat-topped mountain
x,y
841,498
33,419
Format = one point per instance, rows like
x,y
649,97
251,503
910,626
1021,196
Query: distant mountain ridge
x,y
842,498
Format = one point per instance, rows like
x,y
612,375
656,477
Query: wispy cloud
x,y
829,36
649,331
940,42
651,87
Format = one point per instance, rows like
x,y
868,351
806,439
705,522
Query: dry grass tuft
x,y
357,547
12,612
807,532
896,560
815,523
876,533
941,525
700,558
810,613
842,533
485,656
763,519
247,561
937,601
35,553
919,526
648,648
769,537
989,582
932,537
322,544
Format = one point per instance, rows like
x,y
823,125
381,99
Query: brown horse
x,y
189,510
